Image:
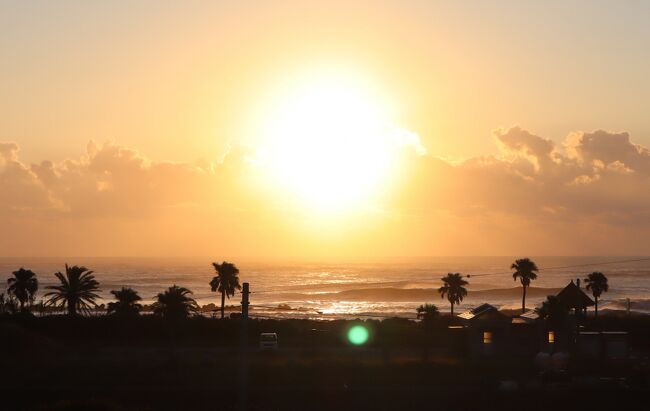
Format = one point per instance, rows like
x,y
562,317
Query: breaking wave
x,y
415,294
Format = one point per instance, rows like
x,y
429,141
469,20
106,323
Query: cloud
x,y
8,152
519,142
588,176
22,190
587,195
603,148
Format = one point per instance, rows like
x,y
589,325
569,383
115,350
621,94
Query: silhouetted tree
x,y
453,286
77,291
597,284
525,271
8,304
39,307
553,310
427,312
175,303
226,281
23,285
126,304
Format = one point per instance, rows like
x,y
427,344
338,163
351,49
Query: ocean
x,y
355,288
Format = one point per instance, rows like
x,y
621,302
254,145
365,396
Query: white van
x,y
268,341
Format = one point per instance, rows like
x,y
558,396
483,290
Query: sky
x,y
338,128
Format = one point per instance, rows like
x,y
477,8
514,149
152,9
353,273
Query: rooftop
x,y
477,311
572,296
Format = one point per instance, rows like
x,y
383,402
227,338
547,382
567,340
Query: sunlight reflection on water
x,y
383,289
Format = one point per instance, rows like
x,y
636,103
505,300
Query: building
x,y
487,330
574,298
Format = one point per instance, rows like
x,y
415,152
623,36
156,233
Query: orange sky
x,y
417,153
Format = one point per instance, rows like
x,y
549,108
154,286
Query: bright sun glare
x,y
331,143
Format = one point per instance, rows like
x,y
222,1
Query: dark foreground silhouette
x,y
111,362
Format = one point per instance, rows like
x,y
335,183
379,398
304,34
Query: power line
x,y
509,272
469,276
569,266
600,263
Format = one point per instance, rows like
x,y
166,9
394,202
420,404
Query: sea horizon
x,y
386,287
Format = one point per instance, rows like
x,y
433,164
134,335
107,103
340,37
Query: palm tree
x,y
126,304
597,284
175,303
77,292
427,312
226,281
526,271
23,286
453,287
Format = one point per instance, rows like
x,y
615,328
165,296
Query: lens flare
x,y
358,335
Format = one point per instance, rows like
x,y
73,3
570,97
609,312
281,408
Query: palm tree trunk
x,y
523,301
452,309
596,312
223,302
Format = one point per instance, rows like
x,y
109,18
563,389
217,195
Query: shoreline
x,y
299,315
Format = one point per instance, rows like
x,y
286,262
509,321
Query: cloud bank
x,y
587,195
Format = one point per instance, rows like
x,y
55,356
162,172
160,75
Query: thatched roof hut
x,y
572,296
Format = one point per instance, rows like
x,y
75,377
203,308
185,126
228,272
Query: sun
x,y
329,142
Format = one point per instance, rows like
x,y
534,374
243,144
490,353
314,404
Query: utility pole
x,y
244,301
243,349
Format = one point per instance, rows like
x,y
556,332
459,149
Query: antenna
x,y
244,301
